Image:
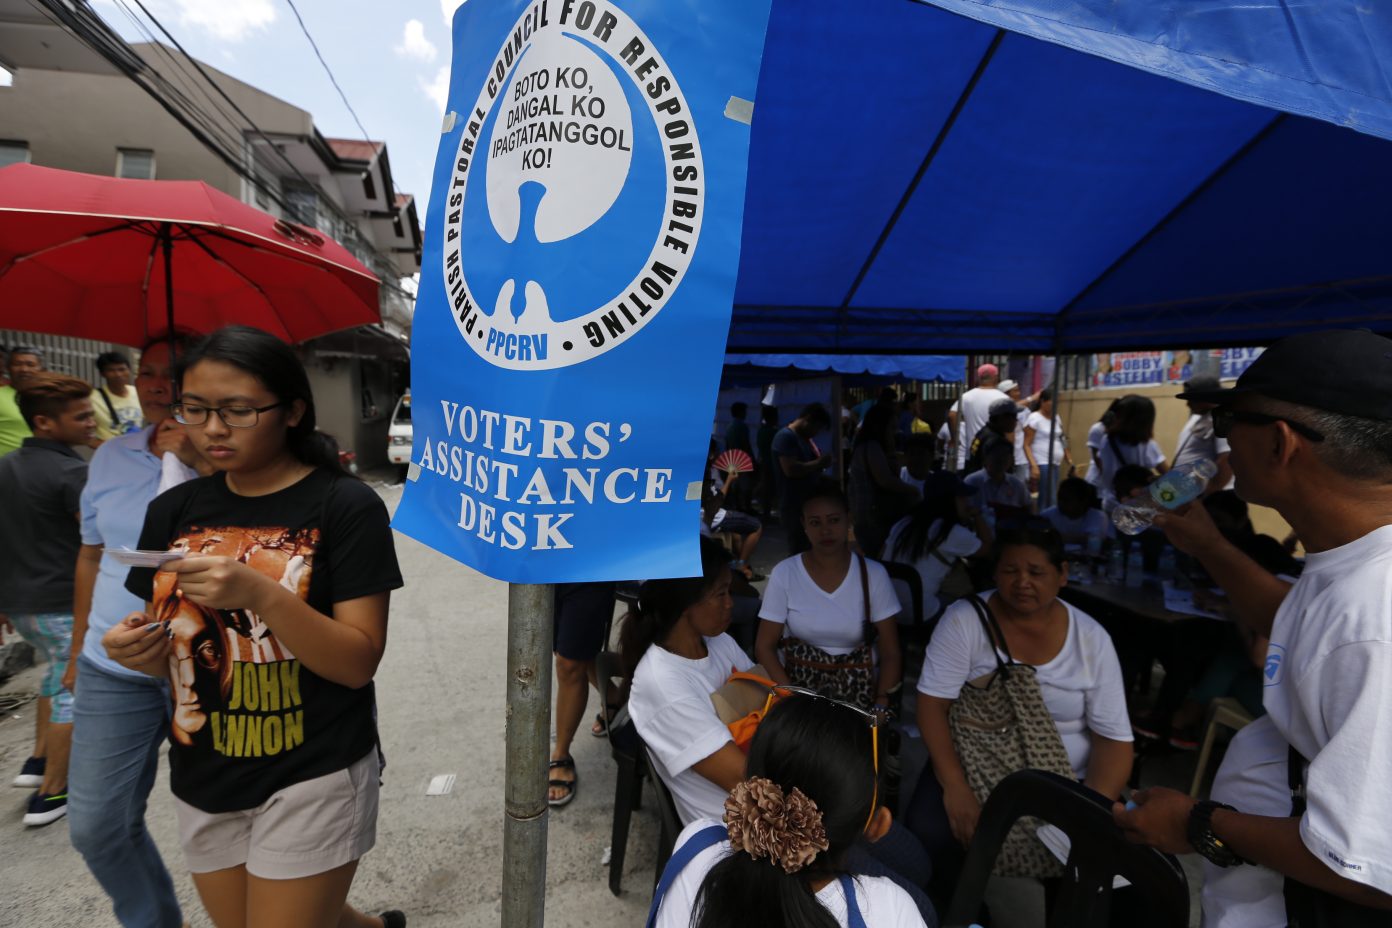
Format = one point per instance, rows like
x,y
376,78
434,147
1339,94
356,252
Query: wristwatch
x,y
1202,838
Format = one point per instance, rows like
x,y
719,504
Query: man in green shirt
x,y
24,363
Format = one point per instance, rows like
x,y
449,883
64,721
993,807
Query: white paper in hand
x,y
132,558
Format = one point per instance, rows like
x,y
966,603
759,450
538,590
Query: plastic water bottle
x,y
1168,567
1179,486
1116,564
1135,566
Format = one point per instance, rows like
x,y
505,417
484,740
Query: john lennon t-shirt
x,y
249,718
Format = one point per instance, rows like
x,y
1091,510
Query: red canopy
x,y
84,255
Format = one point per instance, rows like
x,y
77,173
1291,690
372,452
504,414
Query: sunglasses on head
x,y
871,717
1224,417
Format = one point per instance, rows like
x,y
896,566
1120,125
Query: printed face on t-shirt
x,y
231,681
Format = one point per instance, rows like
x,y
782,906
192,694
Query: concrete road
x,y
440,692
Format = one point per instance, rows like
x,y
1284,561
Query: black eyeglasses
x,y
234,417
1224,417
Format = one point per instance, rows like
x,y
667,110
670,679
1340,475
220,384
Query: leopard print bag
x,y
847,677
999,724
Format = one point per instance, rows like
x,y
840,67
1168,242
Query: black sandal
x,y
565,763
600,729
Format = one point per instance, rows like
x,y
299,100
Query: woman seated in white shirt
x,y
676,641
939,532
1079,678
813,759
818,607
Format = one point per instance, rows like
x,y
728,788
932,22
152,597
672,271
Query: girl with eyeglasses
x,y
777,854
269,628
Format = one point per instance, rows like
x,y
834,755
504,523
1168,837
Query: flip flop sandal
x,y
565,763
600,729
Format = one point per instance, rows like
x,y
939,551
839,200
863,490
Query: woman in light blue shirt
x,y
121,716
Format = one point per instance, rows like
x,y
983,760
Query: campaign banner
x,y
581,246
1236,360
1128,369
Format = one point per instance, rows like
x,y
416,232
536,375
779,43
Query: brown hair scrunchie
x,y
763,822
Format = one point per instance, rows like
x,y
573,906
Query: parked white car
x,y
400,433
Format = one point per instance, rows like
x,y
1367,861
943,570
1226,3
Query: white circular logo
x,y
578,234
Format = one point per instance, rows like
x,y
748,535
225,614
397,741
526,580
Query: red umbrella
x,y
122,261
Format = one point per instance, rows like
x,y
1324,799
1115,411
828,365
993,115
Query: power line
x,y
222,93
333,80
220,136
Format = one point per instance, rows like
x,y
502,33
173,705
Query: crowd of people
x,y
251,649
991,545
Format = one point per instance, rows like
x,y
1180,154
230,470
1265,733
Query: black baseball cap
x,y
1343,371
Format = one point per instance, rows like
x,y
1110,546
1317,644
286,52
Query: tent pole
x,y
528,741
1053,425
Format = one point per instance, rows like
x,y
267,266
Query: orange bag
x,y
743,701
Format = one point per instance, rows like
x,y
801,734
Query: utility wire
x,y
327,70
222,93
333,80
212,133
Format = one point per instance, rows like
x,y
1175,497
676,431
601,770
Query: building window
x,y
396,226
302,204
135,163
14,153
369,187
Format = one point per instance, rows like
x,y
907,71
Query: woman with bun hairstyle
x,y
779,859
269,628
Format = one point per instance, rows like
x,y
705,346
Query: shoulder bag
x,y
848,677
742,702
957,582
999,724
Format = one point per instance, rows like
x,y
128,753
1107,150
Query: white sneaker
x,y
44,810
31,774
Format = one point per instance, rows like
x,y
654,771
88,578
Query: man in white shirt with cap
x,y
1310,429
969,414
1197,441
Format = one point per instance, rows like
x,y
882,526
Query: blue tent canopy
x,y
928,368
984,174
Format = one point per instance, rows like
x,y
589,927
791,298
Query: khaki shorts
x,y
302,830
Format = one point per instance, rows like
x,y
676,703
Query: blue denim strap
x,y
853,916
700,841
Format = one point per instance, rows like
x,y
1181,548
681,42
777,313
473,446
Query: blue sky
x,y
391,58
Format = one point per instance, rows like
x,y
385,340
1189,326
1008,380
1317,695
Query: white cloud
x,y
414,44
438,89
447,7
229,20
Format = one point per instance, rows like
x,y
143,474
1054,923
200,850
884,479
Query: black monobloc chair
x,y
635,766
1098,853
